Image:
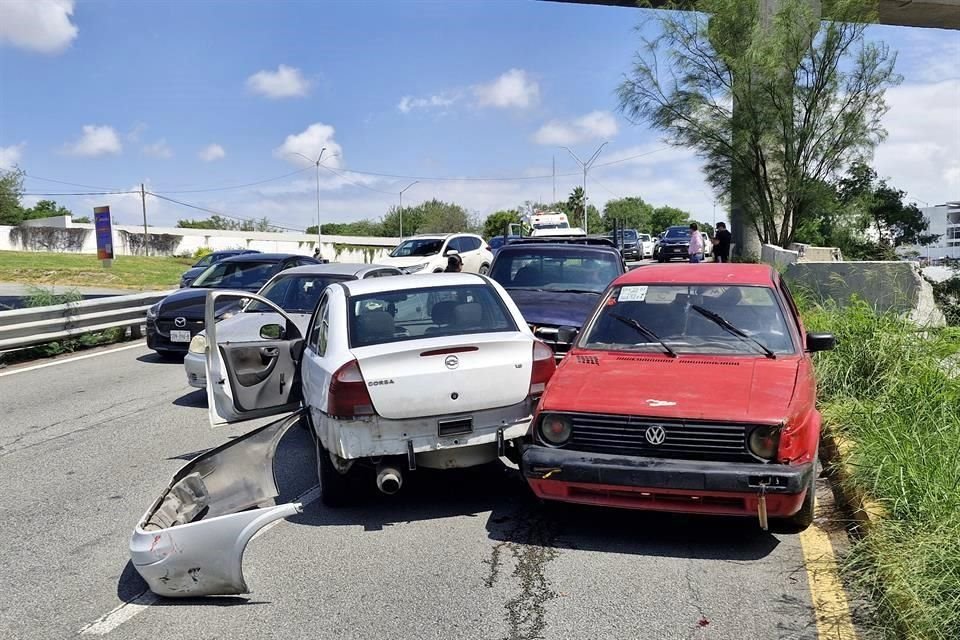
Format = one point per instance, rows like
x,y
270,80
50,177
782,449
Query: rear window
x,y
394,316
570,270
296,293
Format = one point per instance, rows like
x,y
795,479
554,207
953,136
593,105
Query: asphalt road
x,y
86,445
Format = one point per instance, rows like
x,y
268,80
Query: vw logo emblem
x,y
452,362
655,435
180,322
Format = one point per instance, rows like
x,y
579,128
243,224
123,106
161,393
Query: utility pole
x,y
400,209
316,163
554,178
146,237
586,167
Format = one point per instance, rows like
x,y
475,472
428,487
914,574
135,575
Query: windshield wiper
x,y
642,330
725,324
593,291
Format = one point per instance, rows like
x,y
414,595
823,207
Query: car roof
x,y
415,281
337,269
233,252
715,273
263,257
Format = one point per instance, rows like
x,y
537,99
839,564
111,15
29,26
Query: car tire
x,y
804,517
335,489
484,269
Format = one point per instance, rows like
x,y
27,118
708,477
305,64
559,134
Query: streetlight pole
x,y
317,164
586,167
401,205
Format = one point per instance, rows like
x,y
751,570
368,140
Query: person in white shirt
x,y
695,249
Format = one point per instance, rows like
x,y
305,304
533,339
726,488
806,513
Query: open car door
x,y
252,378
191,540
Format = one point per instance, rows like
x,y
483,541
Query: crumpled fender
x,y
191,540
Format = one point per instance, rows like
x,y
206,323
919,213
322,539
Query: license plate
x,y
180,336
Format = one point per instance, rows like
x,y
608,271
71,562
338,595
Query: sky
x,y
198,99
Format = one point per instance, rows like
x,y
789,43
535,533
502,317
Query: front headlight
x,y
555,430
764,442
416,267
198,344
153,311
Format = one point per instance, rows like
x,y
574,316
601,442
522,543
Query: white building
x,y
944,220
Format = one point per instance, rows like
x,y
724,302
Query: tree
x,y
707,228
224,223
45,209
11,189
773,111
631,213
81,219
496,223
663,217
575,207
433,216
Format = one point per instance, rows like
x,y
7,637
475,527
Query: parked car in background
x,y
174,321
707,245
496,243
628,240
296,291
688,390
647,244
438,371
556,284
428,253
674,244
201,265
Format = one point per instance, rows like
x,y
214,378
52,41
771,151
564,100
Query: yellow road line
x,y
830,604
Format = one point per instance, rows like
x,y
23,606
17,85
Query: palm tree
x,y
575,204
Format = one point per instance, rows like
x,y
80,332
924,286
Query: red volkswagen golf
x,y
690,389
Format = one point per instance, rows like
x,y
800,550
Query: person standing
x,y
695,248
721,244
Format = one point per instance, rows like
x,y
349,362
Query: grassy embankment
x,y
73,269
887,390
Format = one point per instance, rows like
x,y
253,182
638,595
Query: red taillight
x,y
348,397
543,367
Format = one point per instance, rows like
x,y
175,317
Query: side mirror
x,y
567,335
820,342
272,332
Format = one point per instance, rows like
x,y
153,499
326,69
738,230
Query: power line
x,y
84,193
219,213
239,186
356,184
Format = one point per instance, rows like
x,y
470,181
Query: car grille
x,y
548,334
164,325
689,440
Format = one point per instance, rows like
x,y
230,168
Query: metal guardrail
x,y
26,327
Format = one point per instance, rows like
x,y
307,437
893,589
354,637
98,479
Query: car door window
x,y
321,326
469,244
454,245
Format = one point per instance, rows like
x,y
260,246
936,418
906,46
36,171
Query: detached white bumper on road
x,y
195,364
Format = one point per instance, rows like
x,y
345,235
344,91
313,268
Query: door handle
x,y
269,352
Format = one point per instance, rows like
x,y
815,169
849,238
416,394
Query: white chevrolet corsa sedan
x,y
439,371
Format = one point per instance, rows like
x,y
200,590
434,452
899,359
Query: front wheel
x,y
484,269
804,517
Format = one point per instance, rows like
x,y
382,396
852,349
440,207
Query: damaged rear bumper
x,y
191,540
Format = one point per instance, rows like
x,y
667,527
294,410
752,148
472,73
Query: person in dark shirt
x,y
721,243
454,264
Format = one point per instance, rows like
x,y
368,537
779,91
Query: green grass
x,y
886,389
74,269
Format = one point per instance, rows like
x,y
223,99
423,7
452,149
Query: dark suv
x,y
674,244
172,322
201,265
556,283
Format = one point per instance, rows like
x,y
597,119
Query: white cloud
x,y
920,153
285,82
594,125
37,25
309,143
409,103
212,152
513,89
95,141
159,149
9,156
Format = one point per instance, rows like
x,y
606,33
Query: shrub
x,y
202,251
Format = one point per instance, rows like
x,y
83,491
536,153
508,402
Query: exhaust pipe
x,y
389,480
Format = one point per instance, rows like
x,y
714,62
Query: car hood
x,y
407,261
554,308
189,303
246,326
675,241
694,387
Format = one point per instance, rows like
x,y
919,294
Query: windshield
x,y
551,225
205,261
678,232
644,237
296,293
667,311
249,276
418,247
571,270
394,316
